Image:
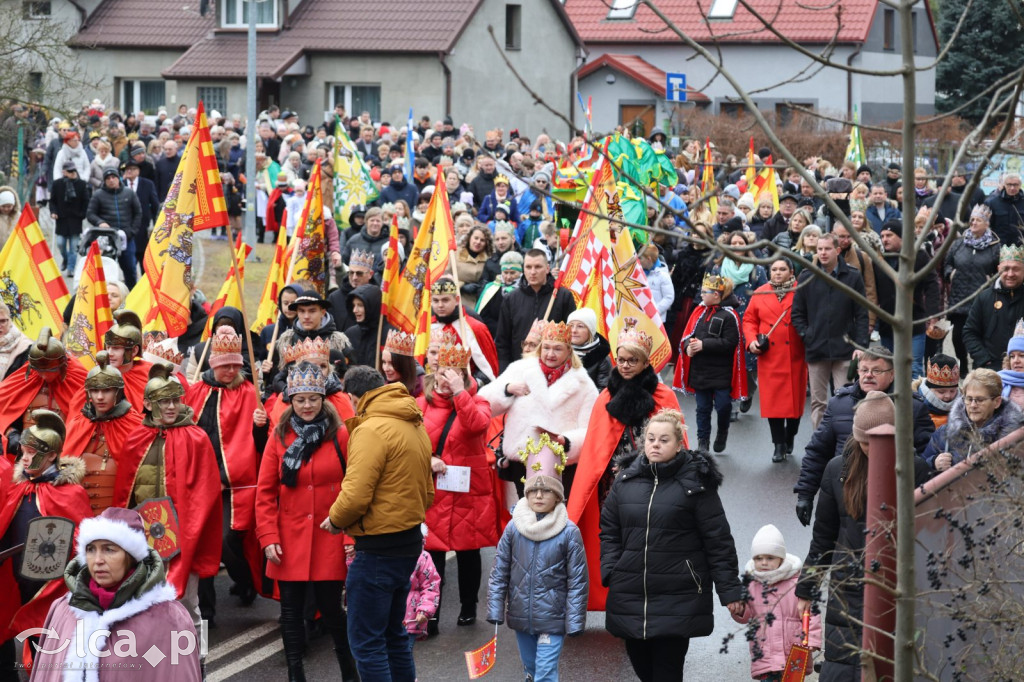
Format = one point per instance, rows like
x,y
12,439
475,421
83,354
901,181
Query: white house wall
x,y
486,94
110,67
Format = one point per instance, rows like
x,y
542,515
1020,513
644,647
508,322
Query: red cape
x,y
193,484
135,382
603,434
69,500
80,429
16,392
681,381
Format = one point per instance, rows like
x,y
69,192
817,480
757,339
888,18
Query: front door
x,y
637,118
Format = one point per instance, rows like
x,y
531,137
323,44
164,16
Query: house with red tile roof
x,y
764,44
438,58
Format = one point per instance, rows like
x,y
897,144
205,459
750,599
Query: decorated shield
x,y
161,521
48,545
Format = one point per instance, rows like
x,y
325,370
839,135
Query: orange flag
x,y
195,201
707,178
30,281
481,661
392,266
409,294
229,294
266,313
91,317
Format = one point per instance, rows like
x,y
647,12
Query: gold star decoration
x,y
625,284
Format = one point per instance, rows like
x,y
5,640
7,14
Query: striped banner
x,y
91,316
30,281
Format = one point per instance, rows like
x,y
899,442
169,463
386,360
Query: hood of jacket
x,y
148,575
70,471
369,294
17,199
546,288
696,471
391,401
373,241
326,328
1006,419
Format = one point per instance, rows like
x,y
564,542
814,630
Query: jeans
x,y
68,247
377,589
723,406
917,344
127,262
659,659
540,658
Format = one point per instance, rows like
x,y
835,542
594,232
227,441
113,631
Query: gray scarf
x,y
933,400
308,437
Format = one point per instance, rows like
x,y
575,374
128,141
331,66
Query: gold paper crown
x,y
631,335
555,331
536,330
362,259
306,378
453,355
164,350
400,343
226,340
1008,253
316,351
943,376
541,464
713,282
445,285
502,178
440,336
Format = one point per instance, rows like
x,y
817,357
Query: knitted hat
x,y
769,541
121,526
586,317
512,260
874,410
226,347
894,226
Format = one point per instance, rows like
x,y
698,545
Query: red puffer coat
x,y
459,521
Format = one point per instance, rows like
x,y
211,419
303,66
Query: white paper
x,y
454,479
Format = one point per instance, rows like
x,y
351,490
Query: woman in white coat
x,y
548,391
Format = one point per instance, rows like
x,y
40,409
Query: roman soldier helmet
x,y
46,354
162,385
45,436
126,332
103,375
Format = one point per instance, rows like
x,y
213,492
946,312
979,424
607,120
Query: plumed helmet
x,y
47,434
162,383
103,375
47,353
126,332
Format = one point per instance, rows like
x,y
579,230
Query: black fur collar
x,y
633,400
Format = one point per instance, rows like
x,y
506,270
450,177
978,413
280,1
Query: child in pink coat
x,y
771,576
424,595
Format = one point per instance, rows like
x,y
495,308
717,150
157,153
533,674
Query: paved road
x,y
246,644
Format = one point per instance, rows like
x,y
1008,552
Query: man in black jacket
x,y
69,201
145,190
529,302
166,167
779,222
116,207
1007,206
824,317
874,373
995,311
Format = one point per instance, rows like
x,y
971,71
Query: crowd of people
x,y
313,474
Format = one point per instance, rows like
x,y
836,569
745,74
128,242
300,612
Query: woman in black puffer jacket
x,y
664,542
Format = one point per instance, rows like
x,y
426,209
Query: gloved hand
x,y
14,444
804,506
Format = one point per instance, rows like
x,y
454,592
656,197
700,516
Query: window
x,y
732,109
213,98
888,29
357,99
35,83
36,10
142,95
722,9
236,13
513,27
784,112
622,9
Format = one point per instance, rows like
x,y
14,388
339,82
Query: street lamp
x,y
251,129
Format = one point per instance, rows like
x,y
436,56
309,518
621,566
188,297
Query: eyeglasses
x,y
972,400
872,372
627,362
168,403
707,292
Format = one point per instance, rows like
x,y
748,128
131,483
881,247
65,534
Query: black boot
x,y
720,438
296,673
789,445
780,453
745,404
347,664
704,445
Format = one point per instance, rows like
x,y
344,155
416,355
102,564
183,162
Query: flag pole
x,y
380,329
452,260
245,317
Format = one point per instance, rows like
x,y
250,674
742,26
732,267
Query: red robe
x,y
62,497
738,385
782,369
484,340
135,382
192,481
17,392
80,431
603,434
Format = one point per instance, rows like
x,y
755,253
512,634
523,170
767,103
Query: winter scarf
x,y
1011,380
553,374
982,242
782,289
632,400
184,419
309,436
739,273
539,527
120,410
790,567
10,339
933,400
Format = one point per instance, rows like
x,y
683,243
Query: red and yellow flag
x,y
409,293
30,281
765,182
392,266
751,165
307,252
267,311
91,317
707,178
229,294
194,202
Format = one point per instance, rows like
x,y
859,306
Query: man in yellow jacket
x,y
383,500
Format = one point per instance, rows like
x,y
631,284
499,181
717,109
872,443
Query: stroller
x,y
111,242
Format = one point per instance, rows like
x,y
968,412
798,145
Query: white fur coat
x,y
563,408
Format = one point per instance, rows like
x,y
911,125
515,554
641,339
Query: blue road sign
x,y
675,87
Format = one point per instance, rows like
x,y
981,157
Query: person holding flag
x,y
91,317
455,319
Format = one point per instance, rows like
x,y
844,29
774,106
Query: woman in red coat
x,y
300,477
457,420
781,368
